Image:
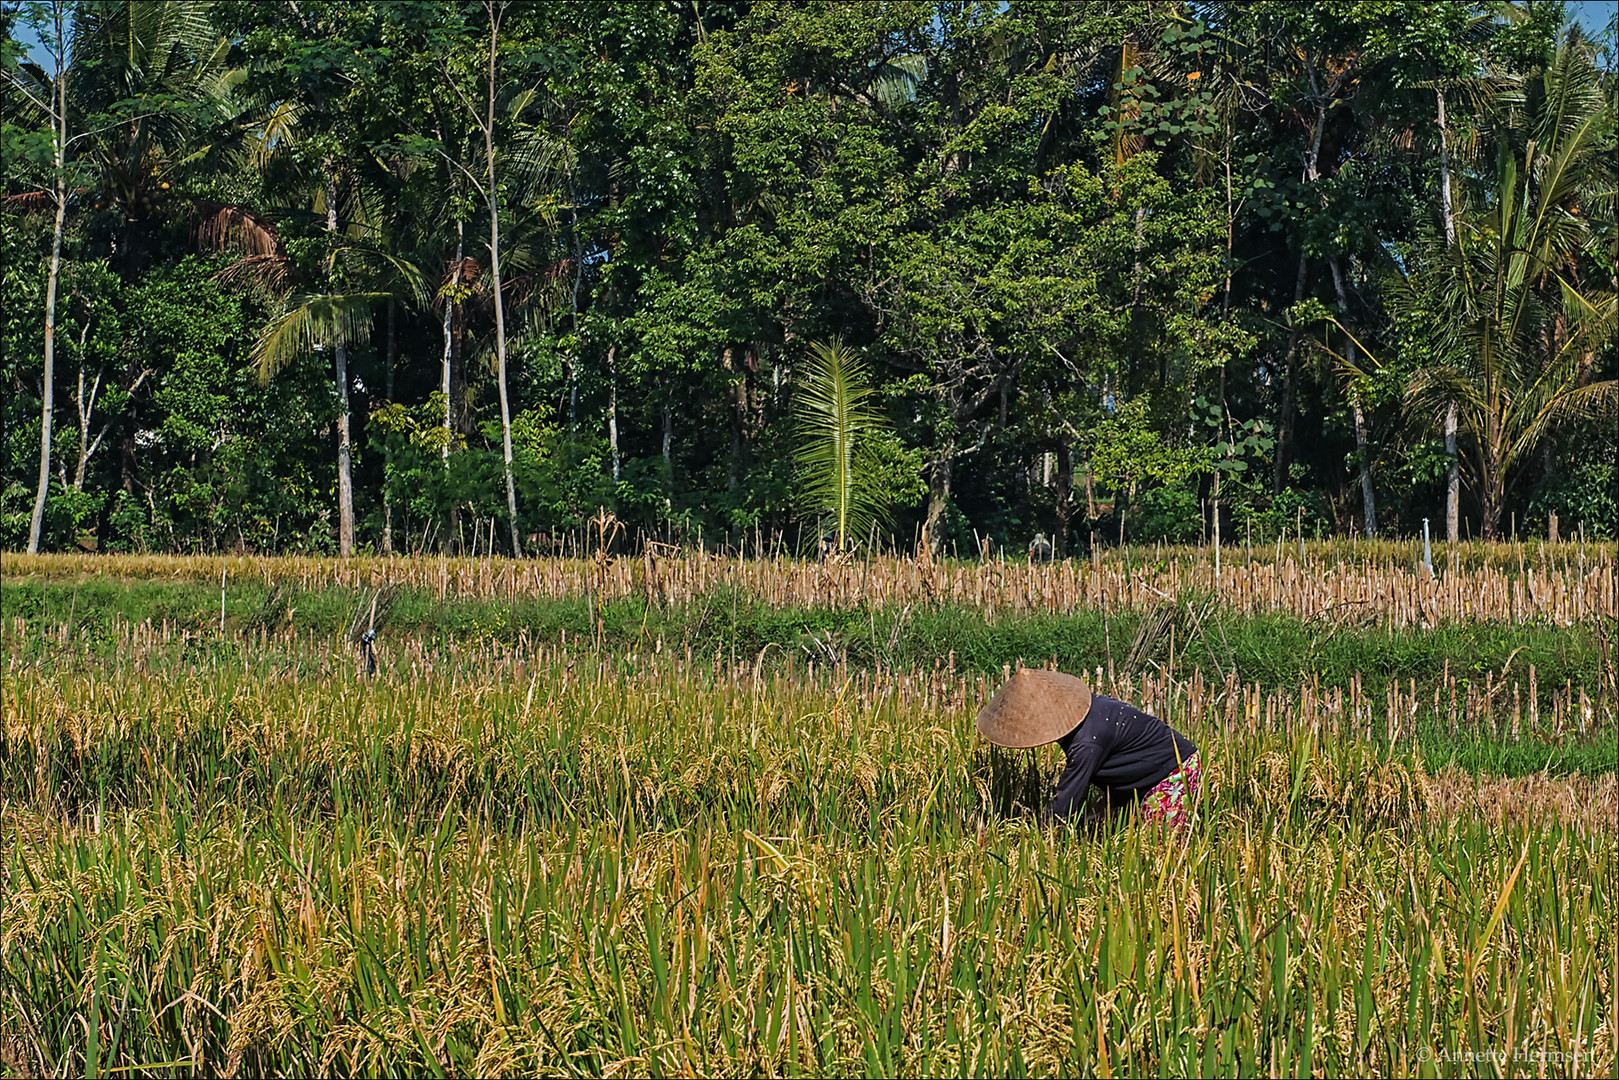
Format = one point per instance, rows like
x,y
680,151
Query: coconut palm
x,y
157,94
835,418
311,322
1512,323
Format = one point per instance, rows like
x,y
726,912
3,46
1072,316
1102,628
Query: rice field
x,y
237,854
1381,583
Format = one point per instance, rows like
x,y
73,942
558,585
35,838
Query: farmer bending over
x,y
1135,758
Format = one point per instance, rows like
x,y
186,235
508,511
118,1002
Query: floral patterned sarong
x,y
1170,801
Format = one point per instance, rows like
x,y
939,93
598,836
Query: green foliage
x,y
1126,449
312,324
1169,513
1015,213
1584,489
1517,324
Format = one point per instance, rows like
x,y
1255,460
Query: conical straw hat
x,y
1034,708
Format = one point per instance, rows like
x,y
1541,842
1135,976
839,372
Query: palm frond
x,y
833,399
275,131
404,279
536,161
1598,399
236,228
266,275
29,202
895,81
311,322
1506,326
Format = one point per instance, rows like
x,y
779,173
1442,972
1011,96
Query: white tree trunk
x,y
494,270
48,389
573,325
1453,483
1453,480
1444,170
449,340
387,472
87,409
345,480
1362,452
612,407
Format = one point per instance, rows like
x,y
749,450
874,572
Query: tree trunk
x,y
1284,421
1123,507
578,281
612,407
1362,453
494,271
450,303
1368,496
345,480
1230,220
1492,493
1453,482
1444,171
387,447
1065,495
668,433
1489,506
939,497
733,392
48,386
86,410
1135,272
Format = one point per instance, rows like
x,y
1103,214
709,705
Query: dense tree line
x,y
329,276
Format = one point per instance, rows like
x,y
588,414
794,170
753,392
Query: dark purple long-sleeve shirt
x,y
1118,747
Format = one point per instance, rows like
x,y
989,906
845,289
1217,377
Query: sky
x,y
1592,15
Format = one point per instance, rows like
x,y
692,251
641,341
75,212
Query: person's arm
x,y
1075,782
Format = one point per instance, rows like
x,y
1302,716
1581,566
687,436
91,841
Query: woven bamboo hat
x,y
1034,708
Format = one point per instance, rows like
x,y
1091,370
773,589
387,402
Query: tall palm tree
x,y
170,63
339,319
1446,85
1514,320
